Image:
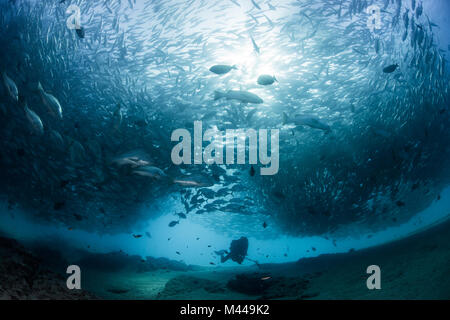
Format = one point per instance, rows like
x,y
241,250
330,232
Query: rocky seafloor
x,y
22,276
412,268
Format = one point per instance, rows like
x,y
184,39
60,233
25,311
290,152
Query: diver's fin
x,y
254,261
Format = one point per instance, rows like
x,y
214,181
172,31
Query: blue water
x,y
183,239
378,174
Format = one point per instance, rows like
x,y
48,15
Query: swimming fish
x,y
390,68
400,203
266,80
117,117
80,32
34,121
150,171
236,3
52,104
255,46
221,69
181,215
56,139
10,87
305,120
256,5
242,96
189,183
77,153
173,223
134,159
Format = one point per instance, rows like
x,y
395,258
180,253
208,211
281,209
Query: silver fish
x,y
266,80
242,96
150,171
52,104
10,87
77,153
306,120
221,69
255,46
117,117
34,121
56,139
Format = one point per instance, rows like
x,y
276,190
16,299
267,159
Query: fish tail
x,y
234,67
218,95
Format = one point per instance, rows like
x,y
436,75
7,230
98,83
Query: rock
x,y
275,287
185,284
309,295
250,284
117,290
23,277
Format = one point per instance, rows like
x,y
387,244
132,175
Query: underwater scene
x,y
224,150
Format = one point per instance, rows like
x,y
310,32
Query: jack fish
x,y
242,96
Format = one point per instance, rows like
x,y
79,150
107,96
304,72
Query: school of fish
x,y
86,115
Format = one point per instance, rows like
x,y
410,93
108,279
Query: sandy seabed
x,y
413,268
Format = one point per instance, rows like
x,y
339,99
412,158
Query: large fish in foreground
x,y
10,87
151,172
305,120
242,96
34,121
266,80
391,68
77,153
56,140
222,69
52,104
133,159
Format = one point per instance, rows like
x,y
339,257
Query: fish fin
x,y
275,79
39,87
218,95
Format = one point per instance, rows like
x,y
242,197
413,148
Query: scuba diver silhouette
x,y
238,251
